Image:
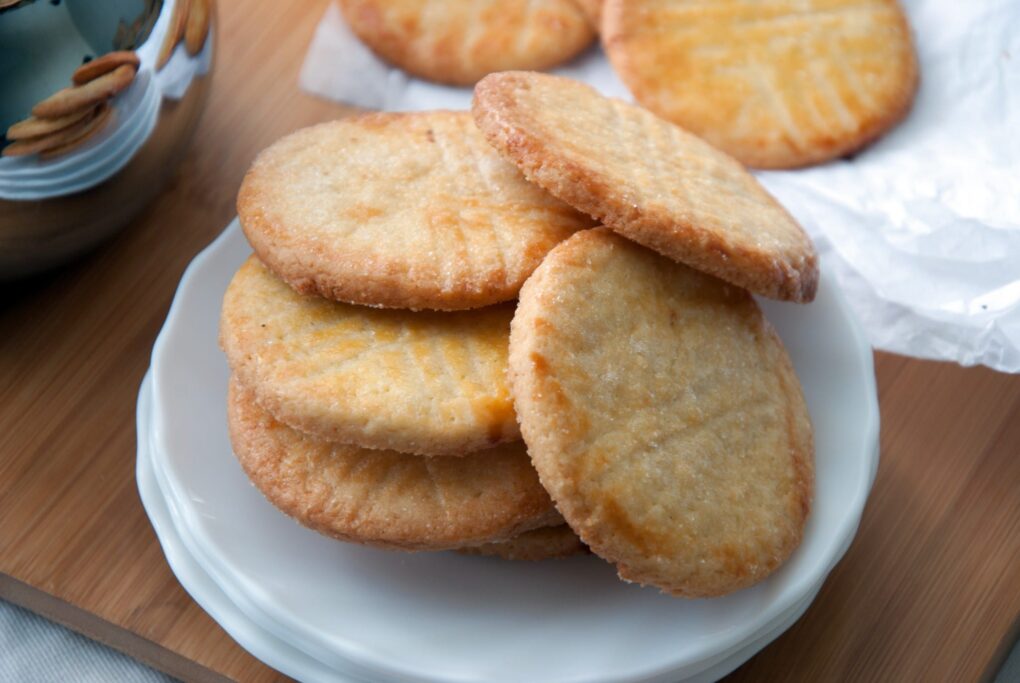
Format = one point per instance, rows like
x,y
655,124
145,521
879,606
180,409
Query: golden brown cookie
x,y
431,383
399,210
778,84
104,113
197,26
648,180
174,32
62,140
78,97
33,127
663,416
385,498
593,10
89,71
459,41
547,543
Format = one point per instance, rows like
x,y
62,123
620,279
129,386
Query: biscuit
x,y
459,41
430,383
385,498
92,70
547,543
778,84
648,180
174,32
78,97
64,139
399,210
593,10
663,416
197,26
104,113
33,127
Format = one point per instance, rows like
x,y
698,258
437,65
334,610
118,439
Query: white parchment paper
x,y
921,228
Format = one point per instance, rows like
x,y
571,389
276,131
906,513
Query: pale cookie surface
x,y
386,498
459,41
663,416
432,383
778,84
648,180
547,543
399,210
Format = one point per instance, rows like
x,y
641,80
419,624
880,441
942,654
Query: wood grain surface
x,y
930,589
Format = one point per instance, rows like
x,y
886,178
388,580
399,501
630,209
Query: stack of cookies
x,y
71,116
383,378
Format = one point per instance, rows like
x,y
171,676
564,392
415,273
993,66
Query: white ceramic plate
x,y
444,617
262,644
197,583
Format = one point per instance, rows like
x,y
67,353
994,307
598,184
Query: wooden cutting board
x,y
930,589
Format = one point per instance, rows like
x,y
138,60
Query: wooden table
x,y
930,589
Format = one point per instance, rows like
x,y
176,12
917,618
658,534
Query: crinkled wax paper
x,y
922,228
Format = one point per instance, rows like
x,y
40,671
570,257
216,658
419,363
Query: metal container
x,y
59,203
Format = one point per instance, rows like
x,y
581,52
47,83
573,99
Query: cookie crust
x,y
408,210
547,543
777,85
384,498
459,41
663,416
648,180
428,383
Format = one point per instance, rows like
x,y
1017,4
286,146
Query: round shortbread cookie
x,y
385,498
547,543
663,416
399,210
459,41
777,85
648,180
430,383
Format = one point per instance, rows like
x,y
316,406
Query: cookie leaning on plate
x,y
547,543
399,210
647,179
430,383
663,416
777,84
385,498
459,41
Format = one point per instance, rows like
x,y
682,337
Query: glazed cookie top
x,y
778,84
459,41
647,179
431,383
399,210
663,416
386,498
